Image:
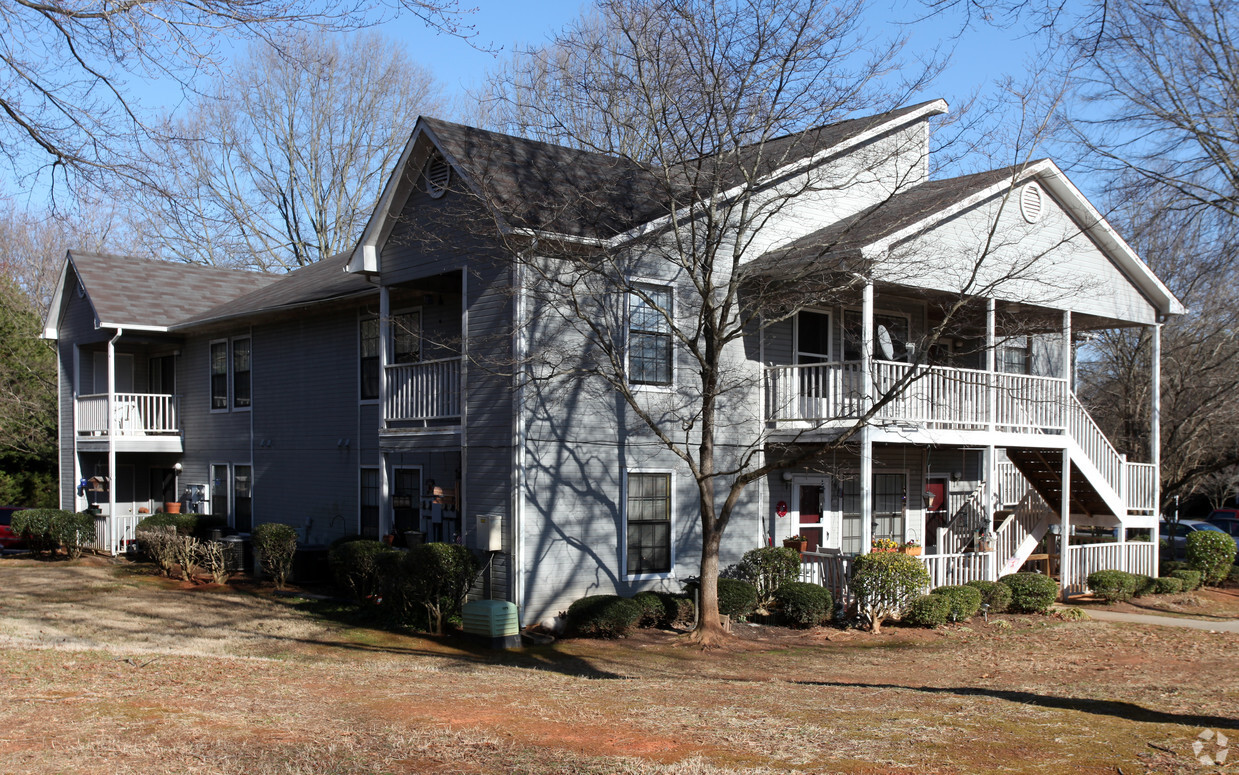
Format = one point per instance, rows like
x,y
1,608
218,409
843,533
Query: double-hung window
x,y
648,518
649,335
241,373
219,375
369,359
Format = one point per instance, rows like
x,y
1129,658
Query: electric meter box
x,y
490,532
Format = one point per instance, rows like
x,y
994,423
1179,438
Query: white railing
x,y
827,570
116,535
1142,488
1019,534
429,390
936,396
1012,486
1134,557
959,568
1030,404
1104,457
964,523
813,392
134,414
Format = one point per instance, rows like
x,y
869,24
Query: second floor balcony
x,y
422,394
129,421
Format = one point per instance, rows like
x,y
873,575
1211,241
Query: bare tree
x,y
281,165
694,106
67,102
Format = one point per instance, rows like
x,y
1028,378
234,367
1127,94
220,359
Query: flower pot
x,y
799,546
915,551
172,507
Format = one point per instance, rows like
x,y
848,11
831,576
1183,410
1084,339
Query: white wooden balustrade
x,y
134,414
1138,557
429,390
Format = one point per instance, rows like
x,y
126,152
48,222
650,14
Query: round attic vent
x,y
1032,202
438,175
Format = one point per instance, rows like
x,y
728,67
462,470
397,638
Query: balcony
x,y
134,422
424,394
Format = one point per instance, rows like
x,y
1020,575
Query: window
x,y
1014,356
890,334
369,359
649,336
406,332
889,496
370,503
240,373
812,337
242,485
219,490
648,512
219,375
850,543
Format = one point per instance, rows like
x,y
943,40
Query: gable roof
x,y
138,293
917,209
550,189
318,282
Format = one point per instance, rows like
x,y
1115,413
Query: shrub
x,y
736,598
1145,585
1166,585
1114,586
354,567
214,556
804,605
996,596
75,530
965,601
928,611
185,552
884,584
185,524
158,542
1030,592
1171,566
664,609
768,568
440,577
276,545
36,528
1212,553
1190,578
603,616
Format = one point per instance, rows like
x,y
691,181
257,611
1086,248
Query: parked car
x,y
1226,519
1186,527
9,539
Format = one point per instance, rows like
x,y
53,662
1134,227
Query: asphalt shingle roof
x,y
141,292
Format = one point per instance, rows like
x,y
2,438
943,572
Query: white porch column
x,y
991,363
1068,372
1155,426
386,516
1064,537
112,438
866,436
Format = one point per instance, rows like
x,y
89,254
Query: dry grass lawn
x,y
107,669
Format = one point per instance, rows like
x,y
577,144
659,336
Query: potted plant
x,y
882,545
912,547
797,542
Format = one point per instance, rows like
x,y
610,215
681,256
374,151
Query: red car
x,y
9,539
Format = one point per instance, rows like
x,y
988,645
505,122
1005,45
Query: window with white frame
x,y
219,375
648,523
649,335
241,373
1015,356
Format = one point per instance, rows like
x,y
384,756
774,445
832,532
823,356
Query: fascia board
x,y
51,324
131,327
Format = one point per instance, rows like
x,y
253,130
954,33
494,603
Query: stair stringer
x,y
1032,517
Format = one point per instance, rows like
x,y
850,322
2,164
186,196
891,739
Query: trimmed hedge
x,y
804,605
664,609
1145,585
354,565
736,598
1167,585
603,616
768,568
1190,578
928,611
965,600
1212,553
997,596
276,544
1114,586
45,530
1030,592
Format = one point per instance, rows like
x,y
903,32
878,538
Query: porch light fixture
x,y
178,467
929,498
787,476
956,476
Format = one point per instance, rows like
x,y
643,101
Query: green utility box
x,y
495,622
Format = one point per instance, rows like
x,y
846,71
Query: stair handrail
x,y
974,516
1097,448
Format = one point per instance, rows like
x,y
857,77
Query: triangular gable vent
x,y
1032,202
438,174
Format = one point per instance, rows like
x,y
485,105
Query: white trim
x,y
623,534
832,534
830,334
51,330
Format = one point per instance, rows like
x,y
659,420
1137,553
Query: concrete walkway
x,y
1219,625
